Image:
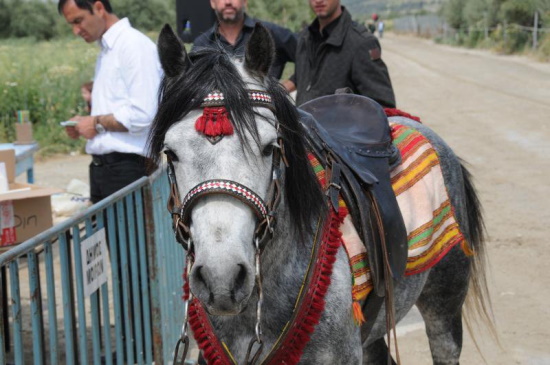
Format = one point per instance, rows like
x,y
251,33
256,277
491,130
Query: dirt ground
x,y
493,111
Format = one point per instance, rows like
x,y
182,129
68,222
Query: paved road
x,y
493,110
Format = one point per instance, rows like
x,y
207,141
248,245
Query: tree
x,y
476,12
518,11
453,11
287,13
33,19
146,14
5,19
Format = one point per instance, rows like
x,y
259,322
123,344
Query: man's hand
x,y
289,85
71,132
84,128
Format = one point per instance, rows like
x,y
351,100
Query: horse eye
x,y
171,155
268,150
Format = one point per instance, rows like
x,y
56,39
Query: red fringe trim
x,y
392,112
310,311
203,332
312,308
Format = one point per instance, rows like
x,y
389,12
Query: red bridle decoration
x,y
214,122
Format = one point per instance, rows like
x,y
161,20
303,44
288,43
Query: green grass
x,y
44,78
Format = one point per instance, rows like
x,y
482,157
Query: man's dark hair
x,y
85,4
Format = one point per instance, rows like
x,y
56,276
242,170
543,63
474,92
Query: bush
x,y
474,38
4,20
516,40
544,48
44,78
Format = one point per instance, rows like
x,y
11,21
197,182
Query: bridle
x,y
265,212
180,209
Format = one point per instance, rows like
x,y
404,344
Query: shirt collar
x,y
248,27
333,33
110,36
327,31
248,23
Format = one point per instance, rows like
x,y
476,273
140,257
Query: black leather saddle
x,y
350,136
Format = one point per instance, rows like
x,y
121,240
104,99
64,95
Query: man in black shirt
x,y
333,53
234,28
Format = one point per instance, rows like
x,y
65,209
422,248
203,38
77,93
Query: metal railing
x,y
134,317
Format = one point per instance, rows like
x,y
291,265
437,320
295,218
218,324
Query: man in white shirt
x,y
124,96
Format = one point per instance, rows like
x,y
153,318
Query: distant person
x,y
380,29
371,26
86,92
234,27
334,53
126,83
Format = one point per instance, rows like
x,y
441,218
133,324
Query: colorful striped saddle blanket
x,y
432,228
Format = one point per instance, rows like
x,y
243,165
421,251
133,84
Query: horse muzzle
x,y
224,290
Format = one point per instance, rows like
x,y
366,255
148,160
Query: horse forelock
x,y
211,70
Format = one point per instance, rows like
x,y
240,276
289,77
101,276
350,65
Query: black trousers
x,y
108,174
113,171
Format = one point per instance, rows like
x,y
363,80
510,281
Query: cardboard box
x,y
23,133
25,210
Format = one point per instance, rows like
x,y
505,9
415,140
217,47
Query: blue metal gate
x,y
135,317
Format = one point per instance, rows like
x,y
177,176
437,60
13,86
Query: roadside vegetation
x,y
42,65
507,26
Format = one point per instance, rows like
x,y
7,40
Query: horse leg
x,y
440,304
406,293
377,353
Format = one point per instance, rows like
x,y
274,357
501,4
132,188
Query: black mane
x,y
212,69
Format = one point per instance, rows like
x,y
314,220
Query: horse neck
x,y
284,264
287,254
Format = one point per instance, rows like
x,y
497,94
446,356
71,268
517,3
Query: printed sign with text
x,y
95,261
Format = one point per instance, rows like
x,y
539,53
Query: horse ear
x,y
172,53
260,51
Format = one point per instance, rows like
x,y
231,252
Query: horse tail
x,y
478,301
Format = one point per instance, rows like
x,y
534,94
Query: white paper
x,y
4,186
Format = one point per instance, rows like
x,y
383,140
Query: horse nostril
x,y
199,278
241,277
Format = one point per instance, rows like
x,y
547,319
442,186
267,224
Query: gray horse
x,y
245,286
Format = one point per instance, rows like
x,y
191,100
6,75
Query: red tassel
x,y
214,122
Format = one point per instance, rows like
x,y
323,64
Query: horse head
x,y
222,123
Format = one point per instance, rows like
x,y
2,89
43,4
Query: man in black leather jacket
x,y
333,53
